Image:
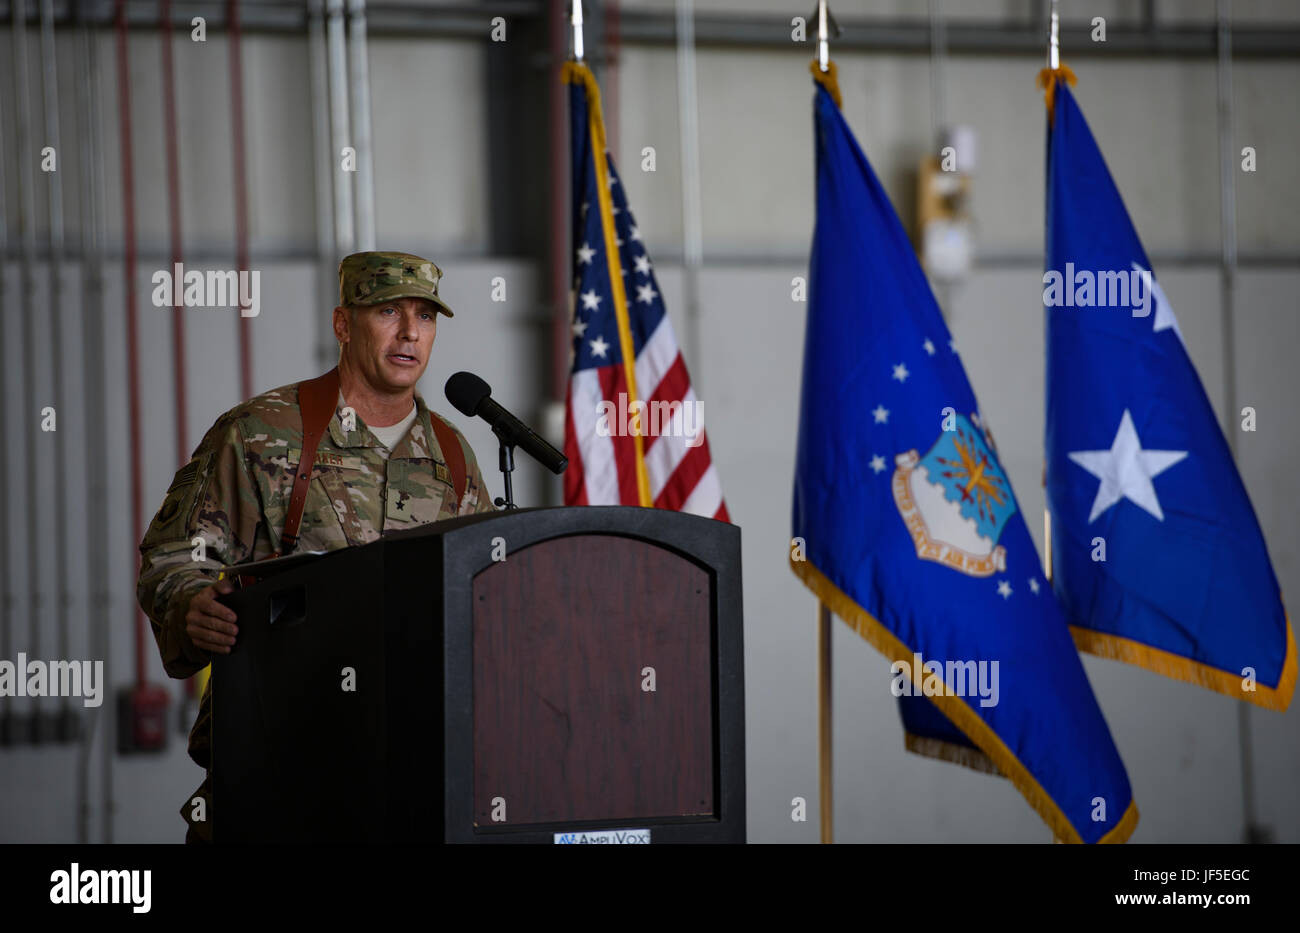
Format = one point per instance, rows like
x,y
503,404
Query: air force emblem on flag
x,y
955,501
910,524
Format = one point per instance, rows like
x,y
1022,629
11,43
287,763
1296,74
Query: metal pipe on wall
x,y
323,167
128,271
1252,832
938,58
1026,260
94,390
6,588
65,726
612,51
1227,217
97,380
344,231
939,117
557,312
561,270
692,223
29,415
361,129
171,147
645,26
243,324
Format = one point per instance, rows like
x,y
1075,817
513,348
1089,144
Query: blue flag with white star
x,y
906,525
1158,558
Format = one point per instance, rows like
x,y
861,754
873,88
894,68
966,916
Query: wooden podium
x,y
540,675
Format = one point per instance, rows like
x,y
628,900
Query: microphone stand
x,y
507,465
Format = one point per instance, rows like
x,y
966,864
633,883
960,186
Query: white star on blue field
x,y
595,328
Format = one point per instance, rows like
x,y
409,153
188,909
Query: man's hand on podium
x,y
210,625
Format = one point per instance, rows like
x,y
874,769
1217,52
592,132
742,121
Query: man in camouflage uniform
x,y
379,467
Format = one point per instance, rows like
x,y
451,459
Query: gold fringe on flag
x,y
956,709
1178,667
928,747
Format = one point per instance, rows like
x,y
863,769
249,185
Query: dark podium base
x,y
496,678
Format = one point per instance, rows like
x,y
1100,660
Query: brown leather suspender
x,y
454,456
317,401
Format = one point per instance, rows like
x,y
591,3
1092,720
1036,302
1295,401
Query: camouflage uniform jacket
x,y
234,494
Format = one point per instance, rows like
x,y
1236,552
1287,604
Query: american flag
x,y
619,314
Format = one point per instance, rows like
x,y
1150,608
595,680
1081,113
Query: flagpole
x,y
1047,537
823,37
1054,40
1053,62
825,732
575,19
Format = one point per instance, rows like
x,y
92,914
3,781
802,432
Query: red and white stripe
x,y
602,470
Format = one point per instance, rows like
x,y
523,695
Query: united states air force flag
x,y
1158,558
910,530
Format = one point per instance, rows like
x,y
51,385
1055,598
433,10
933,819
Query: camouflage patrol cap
x,y
371,278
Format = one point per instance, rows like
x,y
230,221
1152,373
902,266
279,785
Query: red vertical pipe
x,y
171,144
241,193
171,139
132,374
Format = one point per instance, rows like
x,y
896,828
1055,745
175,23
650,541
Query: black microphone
x,y
473,397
